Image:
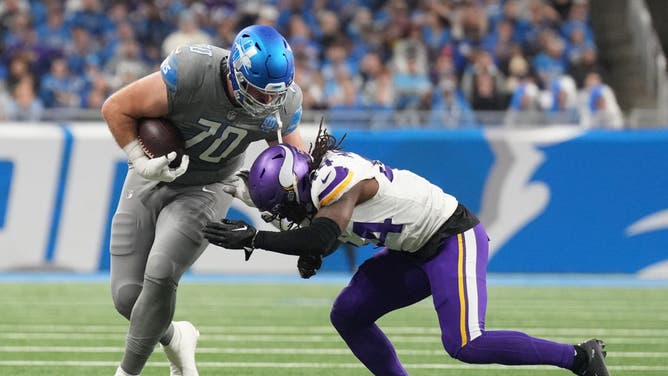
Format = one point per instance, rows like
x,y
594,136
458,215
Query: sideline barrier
x,y
555,199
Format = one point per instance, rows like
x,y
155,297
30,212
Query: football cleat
x,y
595,349
181,349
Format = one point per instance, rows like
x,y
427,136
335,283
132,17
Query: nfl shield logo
x,y
231,115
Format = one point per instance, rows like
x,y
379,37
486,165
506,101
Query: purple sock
x,y
516,348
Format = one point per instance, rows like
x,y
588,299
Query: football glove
x,y
154,168
230,233
237,186
308,265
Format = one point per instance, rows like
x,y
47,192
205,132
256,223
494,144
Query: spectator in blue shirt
x,y
54,33
435,33
577,45
93,19
578,17
60,88
550,62
81,51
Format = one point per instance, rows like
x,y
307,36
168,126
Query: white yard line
x,y
67,363
287,329
258,350
311,338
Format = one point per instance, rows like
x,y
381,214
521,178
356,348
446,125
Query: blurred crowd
x,y
526,58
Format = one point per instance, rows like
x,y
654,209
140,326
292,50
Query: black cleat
x,y
595,349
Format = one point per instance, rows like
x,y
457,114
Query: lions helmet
x,y
279,182
261,69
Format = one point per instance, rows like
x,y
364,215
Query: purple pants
x,y
456,280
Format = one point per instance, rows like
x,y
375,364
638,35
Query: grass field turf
x,y
265,329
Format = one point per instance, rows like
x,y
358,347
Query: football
x,y
158,137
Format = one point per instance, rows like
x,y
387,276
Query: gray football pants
x,y
155,237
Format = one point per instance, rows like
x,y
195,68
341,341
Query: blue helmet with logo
x,y
261,69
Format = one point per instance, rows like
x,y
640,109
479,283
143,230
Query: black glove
x,y
232,234
308,265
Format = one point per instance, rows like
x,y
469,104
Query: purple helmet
x,y
279,182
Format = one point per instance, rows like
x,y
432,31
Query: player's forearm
x,y
320,238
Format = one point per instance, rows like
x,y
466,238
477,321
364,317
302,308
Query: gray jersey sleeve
x,y
184,73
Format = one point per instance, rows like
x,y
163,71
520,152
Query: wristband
x,y
133,150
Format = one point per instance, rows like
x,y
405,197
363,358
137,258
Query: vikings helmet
x,y
261,69
279,182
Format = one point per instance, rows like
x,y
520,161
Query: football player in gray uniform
x,y
221,101
433,246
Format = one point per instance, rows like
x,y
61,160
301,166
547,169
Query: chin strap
x,y
280,127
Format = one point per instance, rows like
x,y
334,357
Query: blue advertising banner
x,y
552,200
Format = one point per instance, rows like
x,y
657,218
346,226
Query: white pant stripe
x,y
471,284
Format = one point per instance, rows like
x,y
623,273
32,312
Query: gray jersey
x,y
216,131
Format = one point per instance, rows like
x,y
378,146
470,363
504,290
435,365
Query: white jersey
x,y
405,212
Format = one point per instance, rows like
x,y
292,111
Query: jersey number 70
x,y
222,146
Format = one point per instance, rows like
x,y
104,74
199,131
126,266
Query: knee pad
x,y
162,270
124,297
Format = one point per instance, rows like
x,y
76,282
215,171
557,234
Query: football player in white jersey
x,y
220,100
433,245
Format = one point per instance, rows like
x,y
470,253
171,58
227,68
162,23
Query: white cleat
x,y
181,350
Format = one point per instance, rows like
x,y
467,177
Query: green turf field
x,y
72,329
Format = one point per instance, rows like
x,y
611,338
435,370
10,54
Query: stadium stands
x,y
432,63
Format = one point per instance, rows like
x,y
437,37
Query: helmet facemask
x,y
258,101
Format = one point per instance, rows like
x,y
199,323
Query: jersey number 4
x,y
222,146
368,230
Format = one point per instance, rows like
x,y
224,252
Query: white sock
x,y
120,372
176,337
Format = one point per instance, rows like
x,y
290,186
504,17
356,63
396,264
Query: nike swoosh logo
x,y
324,180
240,228
205,189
